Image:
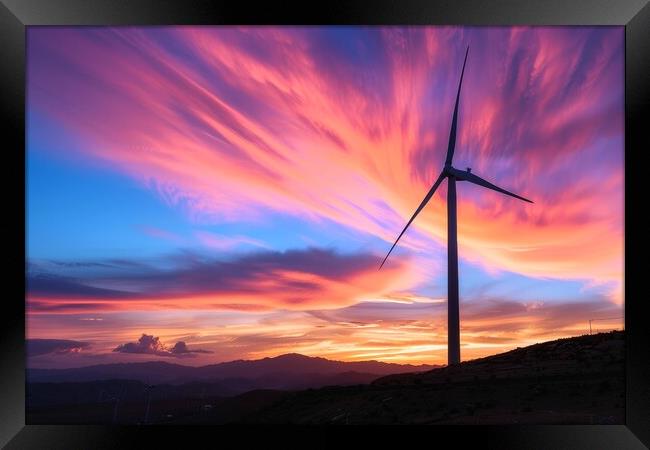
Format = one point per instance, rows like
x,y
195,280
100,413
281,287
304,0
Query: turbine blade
x,y
454,120
468,176
417,211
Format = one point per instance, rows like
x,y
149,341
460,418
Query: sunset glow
x,y
236,188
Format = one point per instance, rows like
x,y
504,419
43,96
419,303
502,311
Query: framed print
x,y
325,220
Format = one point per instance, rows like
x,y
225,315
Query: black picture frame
x,y
16,15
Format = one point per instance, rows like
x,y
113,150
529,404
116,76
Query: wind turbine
x,y
452,174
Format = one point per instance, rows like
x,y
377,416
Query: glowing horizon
x,y
235,188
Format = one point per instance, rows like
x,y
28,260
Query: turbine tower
x,y
453,175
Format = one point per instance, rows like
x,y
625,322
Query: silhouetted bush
x,y
491,403
604,386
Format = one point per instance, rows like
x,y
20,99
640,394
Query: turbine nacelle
x,y
467,175
451,171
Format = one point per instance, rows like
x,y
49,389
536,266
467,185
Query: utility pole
x,y
146,412
603,318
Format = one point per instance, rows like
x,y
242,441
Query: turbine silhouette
x,y
452,174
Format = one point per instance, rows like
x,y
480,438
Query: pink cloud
x,y
263,281
227,242
251,119
382,330
161,234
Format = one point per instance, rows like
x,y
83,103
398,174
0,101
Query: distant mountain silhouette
x,y
288,371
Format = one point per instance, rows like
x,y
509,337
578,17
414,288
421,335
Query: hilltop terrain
x,y
576,380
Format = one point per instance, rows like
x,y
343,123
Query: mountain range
x,y
289,371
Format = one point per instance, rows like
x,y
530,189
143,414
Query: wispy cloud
x,y
402,332
288,120
297,279
161,234
38,347
345,126
222,242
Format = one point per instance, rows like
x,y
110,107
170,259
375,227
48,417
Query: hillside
x,y
577,380
574,380
117,392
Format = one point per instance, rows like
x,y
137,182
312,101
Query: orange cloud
x,y
251,119
412,332
292,280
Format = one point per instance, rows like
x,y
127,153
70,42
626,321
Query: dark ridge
x,y
577,380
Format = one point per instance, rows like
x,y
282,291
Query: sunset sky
x,y
235,190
